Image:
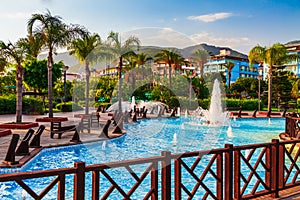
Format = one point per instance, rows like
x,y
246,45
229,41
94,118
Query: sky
x,y
237,24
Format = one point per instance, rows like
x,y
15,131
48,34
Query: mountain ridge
x,y
75,66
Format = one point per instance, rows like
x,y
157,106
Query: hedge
x,y
30,105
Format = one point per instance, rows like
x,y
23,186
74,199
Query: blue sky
x,y
238,24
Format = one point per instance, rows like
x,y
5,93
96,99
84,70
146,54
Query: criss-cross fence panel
x,y
252,168
199,168
53,181
290,170
136,179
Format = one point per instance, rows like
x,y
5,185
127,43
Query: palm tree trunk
x,y
87,88
19,95
229,78
50,65
270,91
170,70
120,85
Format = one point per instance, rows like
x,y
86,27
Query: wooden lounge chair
x,y
35,142
104,131
23,148
254,113
10,157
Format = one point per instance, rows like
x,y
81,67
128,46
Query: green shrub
x,y
70,106
8,104
32,106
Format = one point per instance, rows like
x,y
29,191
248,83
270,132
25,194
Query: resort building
x,y
294,66
241,66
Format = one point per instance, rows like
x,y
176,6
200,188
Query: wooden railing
x,y
292,125
232,172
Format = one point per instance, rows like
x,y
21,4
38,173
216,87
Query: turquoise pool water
x,y
148,138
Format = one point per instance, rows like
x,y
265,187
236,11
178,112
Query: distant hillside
x,y
75,66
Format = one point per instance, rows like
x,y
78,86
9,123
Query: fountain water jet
x,y
214,116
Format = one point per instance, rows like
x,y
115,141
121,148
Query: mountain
x,y
76,67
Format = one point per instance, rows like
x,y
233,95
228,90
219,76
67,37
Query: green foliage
x,y
8,104
33,106
247,104
70,106
7,83
30,105
40,82
105,88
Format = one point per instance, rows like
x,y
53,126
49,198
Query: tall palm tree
x,y
229,66
200,57
56,34
83,48
275,55
169,57
15,53
33,45
119,50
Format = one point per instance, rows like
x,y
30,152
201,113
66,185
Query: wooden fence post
x,y
277,172
228,172
166,175
79,180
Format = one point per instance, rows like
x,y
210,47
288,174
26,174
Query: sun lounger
x,y
35,142
10,157
104,131
254,113
119,126
23,148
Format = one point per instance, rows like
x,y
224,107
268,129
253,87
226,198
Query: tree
x,y
229,66
56,34
169,57
83,48
200,58
33,67
119,50
16,54
275,55
33,45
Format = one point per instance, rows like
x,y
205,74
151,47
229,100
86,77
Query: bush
x,y
8,104
247,104
32,106
70,106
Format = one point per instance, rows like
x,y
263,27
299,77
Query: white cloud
x,y
211,17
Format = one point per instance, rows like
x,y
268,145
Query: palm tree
x,y
119,50
33,45
56,34
229,66
200,57
15,53
275,55
142,59
169,57
83,48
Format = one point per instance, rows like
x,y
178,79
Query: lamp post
x,y
65,68
259,77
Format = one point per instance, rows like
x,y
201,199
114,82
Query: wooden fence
x,y
232,172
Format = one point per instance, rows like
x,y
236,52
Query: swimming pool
x,y
148,138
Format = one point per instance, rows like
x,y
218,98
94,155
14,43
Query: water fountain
x,y
214,116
